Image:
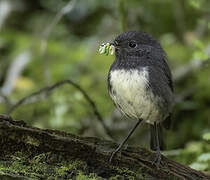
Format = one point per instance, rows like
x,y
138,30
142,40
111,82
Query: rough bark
x,y
31,153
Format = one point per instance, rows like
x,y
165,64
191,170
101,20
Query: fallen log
x,y
31,153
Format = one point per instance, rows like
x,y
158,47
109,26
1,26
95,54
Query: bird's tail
x,y
153,140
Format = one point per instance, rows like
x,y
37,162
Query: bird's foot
x,y
118,150
112,155
157,159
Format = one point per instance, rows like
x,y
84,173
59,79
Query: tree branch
x,y
40,154
51,88
66,9
14,71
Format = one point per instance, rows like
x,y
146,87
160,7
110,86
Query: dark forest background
x,y
46,41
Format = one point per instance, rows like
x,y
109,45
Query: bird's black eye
x,y
132,44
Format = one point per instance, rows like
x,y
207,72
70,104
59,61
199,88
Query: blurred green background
x,y
46,41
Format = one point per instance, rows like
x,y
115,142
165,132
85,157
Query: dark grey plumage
x,y
139,80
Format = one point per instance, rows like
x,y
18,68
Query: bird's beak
x,y
114,43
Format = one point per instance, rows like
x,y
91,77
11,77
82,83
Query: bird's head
x,y
133,42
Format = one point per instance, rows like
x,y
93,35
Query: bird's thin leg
x,y
125,140
158,154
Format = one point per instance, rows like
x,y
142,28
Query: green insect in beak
x,y
106,49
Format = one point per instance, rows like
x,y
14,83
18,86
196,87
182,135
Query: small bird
x,y
140,84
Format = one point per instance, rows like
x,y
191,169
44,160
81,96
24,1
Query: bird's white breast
x,y
130,93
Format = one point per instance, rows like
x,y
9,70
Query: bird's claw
x,y
116,151
112,155
157,159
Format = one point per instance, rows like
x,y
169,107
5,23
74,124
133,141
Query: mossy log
x,y
31,153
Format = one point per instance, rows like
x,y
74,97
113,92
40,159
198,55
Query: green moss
x,y
38,167
41,157
73,167
32,141
20,164
91,176
129,174
62,171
